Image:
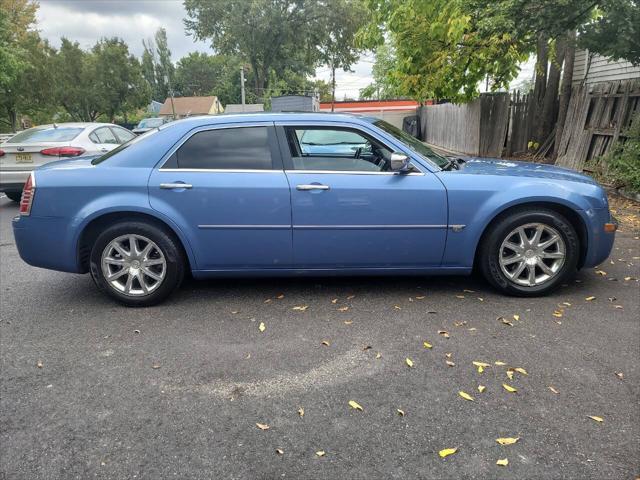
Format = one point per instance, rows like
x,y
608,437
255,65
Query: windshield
x,y
413,143
117,150
150,123
46,134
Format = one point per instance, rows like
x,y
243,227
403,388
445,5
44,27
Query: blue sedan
x,y
312,194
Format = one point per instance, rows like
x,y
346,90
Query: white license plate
x,y
23,158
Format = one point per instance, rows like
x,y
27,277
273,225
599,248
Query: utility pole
x,y
242,86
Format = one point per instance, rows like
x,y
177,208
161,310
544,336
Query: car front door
x,y
226,189
350,211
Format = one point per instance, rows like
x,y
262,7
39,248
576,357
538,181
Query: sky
x,y
86,21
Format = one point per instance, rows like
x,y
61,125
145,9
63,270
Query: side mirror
x,y
400,163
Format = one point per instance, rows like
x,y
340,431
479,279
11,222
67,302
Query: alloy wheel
x,y
532,254
133,265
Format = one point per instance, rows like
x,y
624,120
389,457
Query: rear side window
x,y
245,148
123,134
103,135
46,134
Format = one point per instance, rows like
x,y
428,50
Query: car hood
x,y
500,167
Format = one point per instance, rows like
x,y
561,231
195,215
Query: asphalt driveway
x,y
90,389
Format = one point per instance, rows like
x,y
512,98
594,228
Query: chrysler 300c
x,y
314,194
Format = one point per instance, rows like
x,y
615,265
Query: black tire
x,y
490,248
165,241
15,196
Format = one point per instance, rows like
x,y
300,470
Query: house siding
x,y
602,69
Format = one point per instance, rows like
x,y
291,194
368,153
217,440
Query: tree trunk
x,y
542,60
550,103
565,89
333,87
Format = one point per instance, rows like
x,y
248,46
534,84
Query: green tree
x,y
24,63
201,74
270,35
119,83
385,83
148,64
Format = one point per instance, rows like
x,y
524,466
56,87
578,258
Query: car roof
x,y
269,117
75,125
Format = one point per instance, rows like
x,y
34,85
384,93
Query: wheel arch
x,y
92,229
569,213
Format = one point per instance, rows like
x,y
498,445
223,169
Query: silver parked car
x,y
147,124
46,143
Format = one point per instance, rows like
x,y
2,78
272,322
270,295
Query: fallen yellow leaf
x,y
334,301
325,343
343,309
507,440
397,307
516,317
597,419
351,297
447,451
268,300
601,272
450,363
409,362
505,321
626,279
355,405
509,388
427,344
280,297
320,453
279,451
262,327
553,390
481,388
448,355
39,364
301,412
444,333
499,363
481,364
421,297
465,395
348,322
503,462
262,426
400,412
378,355
588,299
510,374
521,370
469,291
480,369
301,308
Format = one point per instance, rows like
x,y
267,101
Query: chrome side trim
x,y
245,227
367,227
457,228
217,170
356,172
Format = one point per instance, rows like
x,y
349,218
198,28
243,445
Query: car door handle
x,y
174,186
104,149
312,186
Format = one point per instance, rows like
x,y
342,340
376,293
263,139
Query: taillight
x,y
28,193
63,151
1,153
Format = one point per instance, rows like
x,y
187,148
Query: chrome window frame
x,y
206,128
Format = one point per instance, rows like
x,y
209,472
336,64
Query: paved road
x,y
97,407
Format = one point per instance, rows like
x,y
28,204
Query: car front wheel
x,y
529,253
137,263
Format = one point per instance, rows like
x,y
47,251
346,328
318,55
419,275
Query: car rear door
x,y
226,189
349,211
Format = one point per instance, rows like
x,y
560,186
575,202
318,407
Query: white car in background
x,y
46,143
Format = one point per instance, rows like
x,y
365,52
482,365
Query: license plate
x,y
23,158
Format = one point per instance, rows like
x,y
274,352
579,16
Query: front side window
x,y
336,149
412,142
245,148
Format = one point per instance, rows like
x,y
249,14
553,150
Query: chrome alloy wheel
x,y
532,254
133,265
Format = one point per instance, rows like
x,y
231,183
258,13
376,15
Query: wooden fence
x,y
475,128
519,131
598,114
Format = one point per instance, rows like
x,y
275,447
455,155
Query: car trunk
x,y
26,156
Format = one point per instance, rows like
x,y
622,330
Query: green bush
x,y
621,166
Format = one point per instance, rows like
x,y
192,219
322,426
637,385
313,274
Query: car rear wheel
x,y
529,253
137,263
15,196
